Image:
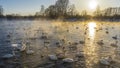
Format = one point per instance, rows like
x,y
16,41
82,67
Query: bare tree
x,y
1,10
42,10
62,6
61,9
51,11
84,13
108,12
71,10
98,11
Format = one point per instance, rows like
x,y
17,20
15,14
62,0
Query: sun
x,y
93,4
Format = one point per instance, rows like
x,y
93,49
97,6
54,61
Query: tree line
x,y
108,13
60,9
63,9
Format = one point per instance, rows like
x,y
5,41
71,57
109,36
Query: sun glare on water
x,y
92,26
90,49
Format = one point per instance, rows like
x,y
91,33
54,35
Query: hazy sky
x,y
26,7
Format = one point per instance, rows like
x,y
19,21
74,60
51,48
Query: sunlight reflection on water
x,y
91,27
90,48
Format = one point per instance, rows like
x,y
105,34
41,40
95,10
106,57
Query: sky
x,y
29,7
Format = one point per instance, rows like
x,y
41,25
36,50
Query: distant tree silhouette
x,y
37,14
1,10
84,13
111,11
61,9
51,11
41,12
107,12
97,11
71,11
61,6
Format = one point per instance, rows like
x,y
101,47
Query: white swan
x,y
20,47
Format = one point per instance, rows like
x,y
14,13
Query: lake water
x,y
92,40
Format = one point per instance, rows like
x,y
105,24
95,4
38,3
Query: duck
x,y
115,37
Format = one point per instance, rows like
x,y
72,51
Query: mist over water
x,y
95,40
